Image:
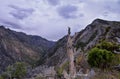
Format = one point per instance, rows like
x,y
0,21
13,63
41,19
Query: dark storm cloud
x,y
10,24
53,2
20,13
67,11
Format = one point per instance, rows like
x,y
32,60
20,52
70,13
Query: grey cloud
x,y
46,9
53,2
10,24
105,14
81,15
118,1
20,13
67,11
113,7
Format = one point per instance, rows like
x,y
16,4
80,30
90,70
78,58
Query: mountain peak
x,y
100,21
2,27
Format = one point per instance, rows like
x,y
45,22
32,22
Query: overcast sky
x,y
50,18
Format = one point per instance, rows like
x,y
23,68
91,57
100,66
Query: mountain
x,y
97,31
54,57
17,46
85,39
57,53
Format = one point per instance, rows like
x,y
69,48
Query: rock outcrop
x,y
97,31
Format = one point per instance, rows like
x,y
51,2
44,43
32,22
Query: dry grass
x,y
106,74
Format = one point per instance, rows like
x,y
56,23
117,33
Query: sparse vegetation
x,y
107,30
100,58
63,67
109,74
83,44
108,46
4,76
1,77
79,59
103,56
39,77
17,70
92,37
80,44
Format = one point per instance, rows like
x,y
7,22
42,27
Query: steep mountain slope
x,y
17,46
57,53
95,32
83,41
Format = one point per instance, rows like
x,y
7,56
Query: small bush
x,y
100,58
18,70
1,77
4,76
60,70
108,46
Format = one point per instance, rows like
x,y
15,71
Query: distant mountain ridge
x,y
17,46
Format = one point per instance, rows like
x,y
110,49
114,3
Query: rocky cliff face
x,y
97,31
17,46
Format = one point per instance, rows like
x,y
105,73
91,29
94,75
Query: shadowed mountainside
x,y
17,46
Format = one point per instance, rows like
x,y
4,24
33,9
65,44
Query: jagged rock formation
x,y
70,53
17,46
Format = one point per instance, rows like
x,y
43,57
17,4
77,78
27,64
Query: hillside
x,y
70,53
87,38
17,46
96,31
99,30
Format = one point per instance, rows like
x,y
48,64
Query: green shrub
x,y
4,76
80,44
1,77
60,70
116,60
108,46
100,58
18,70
